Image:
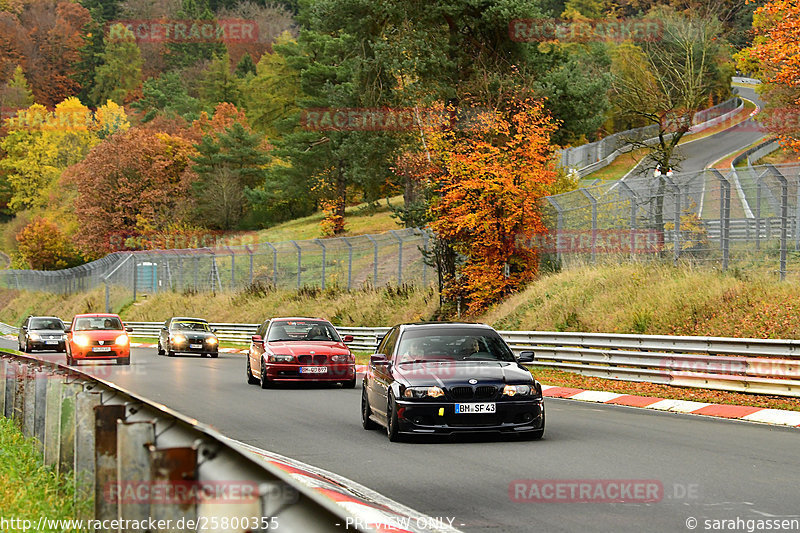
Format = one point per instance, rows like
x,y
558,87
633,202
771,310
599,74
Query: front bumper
x,y
59,346
187,347
431,417
291,372
86,354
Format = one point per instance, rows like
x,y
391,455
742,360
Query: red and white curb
x,y
366,507
779,417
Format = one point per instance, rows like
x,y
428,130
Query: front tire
x,y
214,355
251,379
392,424
350,384
366,422
170,353
265,382
160,348
124,361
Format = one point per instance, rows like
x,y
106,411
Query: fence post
x,y
135,275
632,222
784,217
322,245
399,257
349,262
758,211
250,253
676,235
724,216
424,258
299,261
233,268
593,200
374,261
274,264
559,225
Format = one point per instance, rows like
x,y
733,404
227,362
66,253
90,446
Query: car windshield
x,y
452,344
98,323
46,323
302,330
194,325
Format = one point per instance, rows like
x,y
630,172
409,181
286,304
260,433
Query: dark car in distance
x,y
446,378
187,335
42,333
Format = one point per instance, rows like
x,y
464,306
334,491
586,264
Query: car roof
x,y
97,315
44,316
188,318
285,318
433,325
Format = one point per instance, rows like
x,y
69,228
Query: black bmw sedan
x,y
444,378
187,335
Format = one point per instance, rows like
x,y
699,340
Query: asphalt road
x,y
709,468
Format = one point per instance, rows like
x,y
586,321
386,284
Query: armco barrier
x,y
763,366
139,461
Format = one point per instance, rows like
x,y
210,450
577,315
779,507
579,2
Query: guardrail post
x,y
84,468
10,388
299,261
40,408
321,245
3,370
133,469
374,261
19,395
29,402
593,201
399,257
52,420
784,217
66,445
171,467
105,459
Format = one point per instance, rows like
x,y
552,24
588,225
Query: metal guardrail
x,y
763,366
139,461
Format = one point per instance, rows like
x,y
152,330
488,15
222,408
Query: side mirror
x,y
347,338
378,359
526,357
213,330
67,328
257,339
129,329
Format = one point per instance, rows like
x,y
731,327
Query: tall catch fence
x,y
394,257
747,218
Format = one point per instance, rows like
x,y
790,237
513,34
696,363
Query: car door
x,y
257,351
378,390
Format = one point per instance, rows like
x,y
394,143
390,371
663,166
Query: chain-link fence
x,y
394,257
747,218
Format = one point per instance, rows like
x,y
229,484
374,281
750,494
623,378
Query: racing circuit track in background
x,y
709,468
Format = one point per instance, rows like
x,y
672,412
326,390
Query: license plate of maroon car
x,y
475,408
313,370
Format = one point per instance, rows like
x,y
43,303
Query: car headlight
x,y
423,392
122,340
177,338
516,390
212,340
343,359
273,358
81,340
34,336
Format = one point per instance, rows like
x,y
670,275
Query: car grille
x,y
101,343
482,392
312,359
474,420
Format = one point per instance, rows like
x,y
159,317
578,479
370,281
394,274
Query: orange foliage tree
x,y
136,182
488,179
42,245
775,56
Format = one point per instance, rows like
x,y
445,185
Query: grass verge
x,y
29,490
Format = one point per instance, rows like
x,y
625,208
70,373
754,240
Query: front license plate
x,y
475,408
51,342
101,349
195,346
313,370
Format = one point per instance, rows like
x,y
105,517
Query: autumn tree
x,y
16,93
773,57
136,181
41,245
218,84
167,95
120,75
487,182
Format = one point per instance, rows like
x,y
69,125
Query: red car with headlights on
x,y
300,350
98,336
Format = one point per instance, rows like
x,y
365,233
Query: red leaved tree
x,y
133,183
490,177
41,245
